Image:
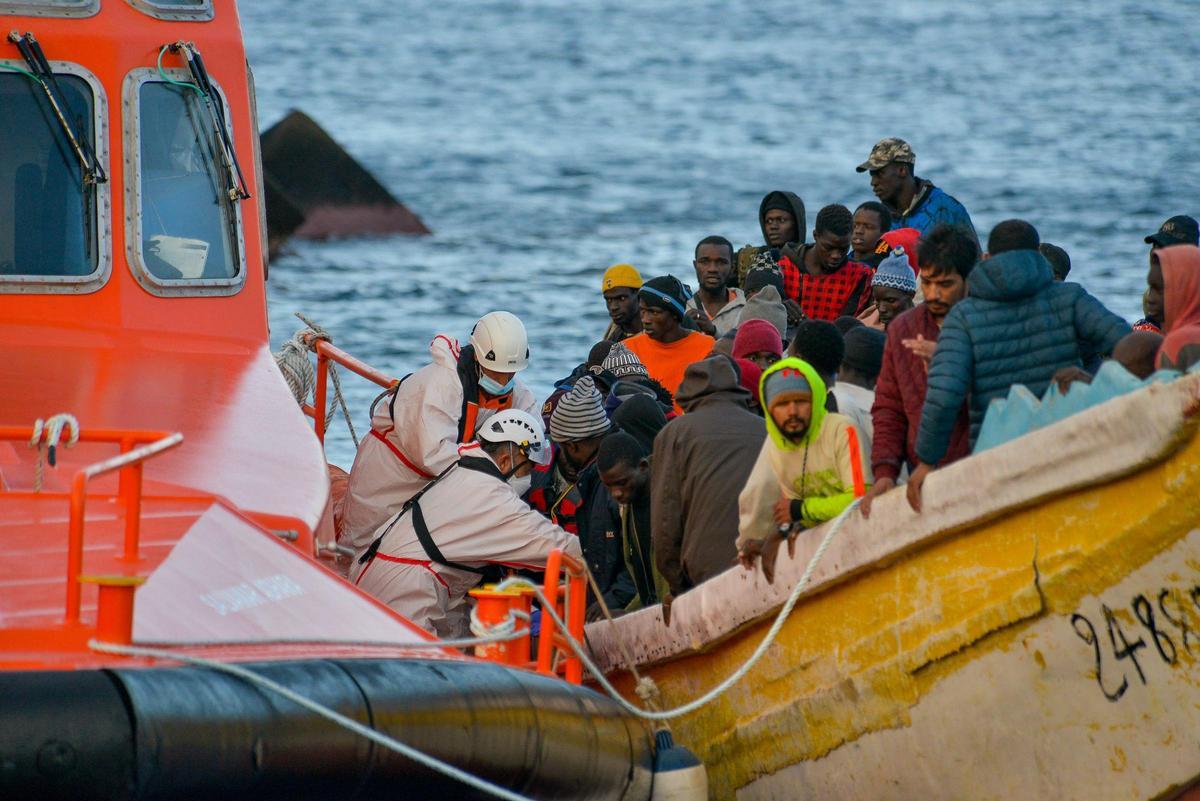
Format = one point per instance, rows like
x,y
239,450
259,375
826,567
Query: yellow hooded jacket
x,y
824,469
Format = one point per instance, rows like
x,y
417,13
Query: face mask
x,y
493,387
521,484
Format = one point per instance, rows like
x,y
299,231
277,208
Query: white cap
x,y
520,428
500,342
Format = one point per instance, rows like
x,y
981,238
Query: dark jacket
x,y
701,462
746,255
599,523
930,207
1016,326
899,397
586,509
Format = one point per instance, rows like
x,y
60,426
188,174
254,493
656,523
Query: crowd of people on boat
x,y
708,428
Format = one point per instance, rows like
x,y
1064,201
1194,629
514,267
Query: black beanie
x,y
665,292
758,279
864,350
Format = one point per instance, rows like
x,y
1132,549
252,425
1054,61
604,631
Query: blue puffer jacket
x,y
932,206
1017,326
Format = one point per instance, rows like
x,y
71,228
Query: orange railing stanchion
x,y
569,602
545,656
520,649
114,609
75,545
320,394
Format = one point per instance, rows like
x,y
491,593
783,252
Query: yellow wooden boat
x,y
1033,634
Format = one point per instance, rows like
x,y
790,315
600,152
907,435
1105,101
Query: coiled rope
x,y
47,436
301,376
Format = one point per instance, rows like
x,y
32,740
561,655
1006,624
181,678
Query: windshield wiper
x,y
216,115
39,68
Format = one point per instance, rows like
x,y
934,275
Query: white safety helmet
x,y
500,342
520,428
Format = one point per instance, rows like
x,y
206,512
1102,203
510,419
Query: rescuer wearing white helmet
x,y
424,559
416,429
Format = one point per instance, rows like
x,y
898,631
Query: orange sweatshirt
x,y
667,363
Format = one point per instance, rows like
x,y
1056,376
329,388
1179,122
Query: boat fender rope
x,y
47,436
831,531
375,736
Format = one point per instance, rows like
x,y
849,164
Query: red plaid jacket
x,y
846,291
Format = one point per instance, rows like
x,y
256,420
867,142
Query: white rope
x,y
644,689
321,333
373,735
301,377
502,631
47,436
297,368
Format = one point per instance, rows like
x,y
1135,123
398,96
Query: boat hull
x,y
184,732
1045,649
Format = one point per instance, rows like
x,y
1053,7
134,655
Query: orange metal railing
x,y
550,639
327,353
135,448
565,588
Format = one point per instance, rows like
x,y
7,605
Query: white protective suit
x,y
399,457
475,519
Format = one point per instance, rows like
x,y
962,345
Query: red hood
x,y
1181,286
1181,305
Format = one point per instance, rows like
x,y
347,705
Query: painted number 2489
x,y
1160,639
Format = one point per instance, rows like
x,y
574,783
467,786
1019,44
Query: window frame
x,y
46,8
95,280
188,287
175,12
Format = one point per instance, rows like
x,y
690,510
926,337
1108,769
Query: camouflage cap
x,y
885,152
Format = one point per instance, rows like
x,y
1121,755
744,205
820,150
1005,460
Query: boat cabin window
x,y
175,9
50,8
53,223
186,226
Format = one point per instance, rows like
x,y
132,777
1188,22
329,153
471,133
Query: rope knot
x,y
647,690
47,436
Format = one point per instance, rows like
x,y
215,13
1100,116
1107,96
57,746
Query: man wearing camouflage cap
x,y
914,202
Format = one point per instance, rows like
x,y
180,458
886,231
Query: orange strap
x,y
400,454
856,470
468,428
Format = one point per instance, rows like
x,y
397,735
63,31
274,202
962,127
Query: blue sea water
x,y
544,140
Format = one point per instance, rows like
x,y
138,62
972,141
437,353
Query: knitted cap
x,y
621,275
907,238
579,414
789,379
757,336
894,273
767,305
864,350
756,279
665,292
622,363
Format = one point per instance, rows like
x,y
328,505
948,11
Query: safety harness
x,y
421,528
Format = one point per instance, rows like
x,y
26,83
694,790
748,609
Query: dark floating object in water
x,y
315,189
